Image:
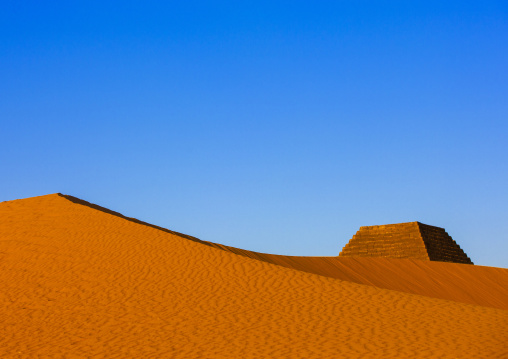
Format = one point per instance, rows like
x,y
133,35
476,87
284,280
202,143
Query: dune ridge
x,y
78,282
486,286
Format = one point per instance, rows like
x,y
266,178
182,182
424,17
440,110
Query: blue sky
x,y
279,127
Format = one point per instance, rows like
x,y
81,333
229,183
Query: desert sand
x,y
82,282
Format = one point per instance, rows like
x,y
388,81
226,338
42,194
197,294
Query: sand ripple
x,y
81,283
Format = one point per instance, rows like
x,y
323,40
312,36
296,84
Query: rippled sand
x,y
78,282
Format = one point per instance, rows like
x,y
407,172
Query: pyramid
x,y
412,240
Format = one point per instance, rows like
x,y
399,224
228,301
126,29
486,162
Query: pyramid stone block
x,y
412,240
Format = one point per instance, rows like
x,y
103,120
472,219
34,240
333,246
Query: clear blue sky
x,y
279,127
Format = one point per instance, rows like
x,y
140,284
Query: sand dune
x,y
486,286
79,282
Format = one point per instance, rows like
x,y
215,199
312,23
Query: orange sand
x,y
486,286
82,283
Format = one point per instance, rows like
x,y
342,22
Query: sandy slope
x,y
78,282
486,286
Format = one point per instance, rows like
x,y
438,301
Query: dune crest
x,y
82,282
486,286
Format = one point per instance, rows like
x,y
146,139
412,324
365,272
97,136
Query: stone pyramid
x,y
412,240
